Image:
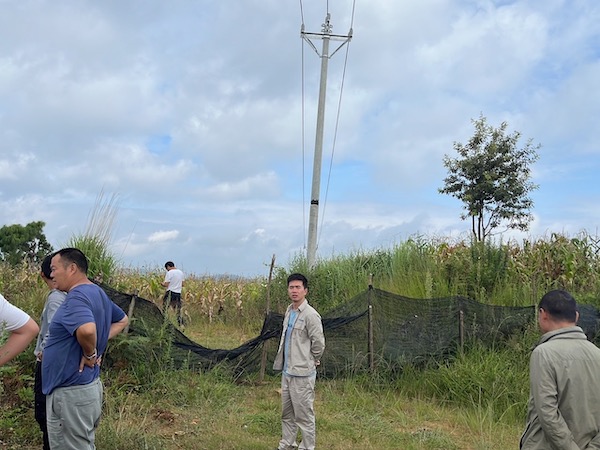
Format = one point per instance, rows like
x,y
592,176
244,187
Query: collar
x,y
573,332
302,306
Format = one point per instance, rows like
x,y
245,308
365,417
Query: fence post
x,y
370,348
461,329
130,310
263,356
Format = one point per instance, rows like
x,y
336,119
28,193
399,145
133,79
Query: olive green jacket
x,y
564,404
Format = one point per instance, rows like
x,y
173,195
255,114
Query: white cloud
x,y
192,113
162,236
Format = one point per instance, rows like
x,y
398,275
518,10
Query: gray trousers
x,y
297,412
73,414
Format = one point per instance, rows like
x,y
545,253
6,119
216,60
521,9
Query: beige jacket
x,y
564,404
307,341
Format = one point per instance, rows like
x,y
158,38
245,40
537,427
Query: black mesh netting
x,y
404,330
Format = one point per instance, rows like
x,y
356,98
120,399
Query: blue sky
x,y
190,113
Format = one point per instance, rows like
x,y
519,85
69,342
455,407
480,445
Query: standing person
x,y
22,329
54,299
79,334
173,282
300,349
564,404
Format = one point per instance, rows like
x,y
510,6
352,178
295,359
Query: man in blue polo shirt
x,y
79,333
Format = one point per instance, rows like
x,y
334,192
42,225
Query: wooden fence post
x,y
130,311
263,356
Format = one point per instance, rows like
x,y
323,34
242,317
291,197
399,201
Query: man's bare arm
x,y
117,327
18,341
86,336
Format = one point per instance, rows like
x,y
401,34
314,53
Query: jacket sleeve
x,y
278,363
316,336
545,396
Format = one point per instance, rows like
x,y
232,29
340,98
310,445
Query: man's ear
x,y
72,268
576,316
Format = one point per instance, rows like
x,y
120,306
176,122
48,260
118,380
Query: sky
x,y
197,118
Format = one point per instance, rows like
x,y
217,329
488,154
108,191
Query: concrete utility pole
x,y
326,36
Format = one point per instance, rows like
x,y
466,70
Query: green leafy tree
x,y
491,177
20,243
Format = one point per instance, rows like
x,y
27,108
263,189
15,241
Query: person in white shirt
x,y
21,327
174,283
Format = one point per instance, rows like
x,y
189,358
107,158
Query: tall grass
x,y
95,241
509,274
493,381
499,273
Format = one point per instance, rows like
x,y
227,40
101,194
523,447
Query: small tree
x,y
20,243
492,178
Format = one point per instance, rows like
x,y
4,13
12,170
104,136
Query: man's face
x,y
60,274
50,281
297,291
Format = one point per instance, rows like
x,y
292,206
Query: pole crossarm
x,y
333,37
325,34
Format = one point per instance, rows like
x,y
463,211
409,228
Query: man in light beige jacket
x,y
564,404
300,349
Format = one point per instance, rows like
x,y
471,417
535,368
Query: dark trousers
x,y
40,403
173,299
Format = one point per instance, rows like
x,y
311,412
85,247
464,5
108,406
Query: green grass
x,y
475,400
204,411
149,406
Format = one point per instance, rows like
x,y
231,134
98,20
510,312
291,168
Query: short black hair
x,y
560,305
46,270
298,277
169,264
74,255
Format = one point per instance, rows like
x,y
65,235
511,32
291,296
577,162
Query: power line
x,y
303,131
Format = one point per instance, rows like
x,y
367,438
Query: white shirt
x,y
175,279
11,317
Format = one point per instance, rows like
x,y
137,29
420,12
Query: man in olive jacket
x,y
564,404
300,349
